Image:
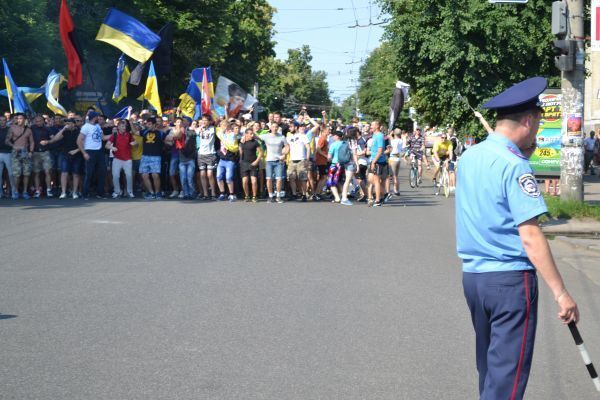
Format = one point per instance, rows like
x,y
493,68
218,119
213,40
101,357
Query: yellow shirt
x,y
442,148
136,151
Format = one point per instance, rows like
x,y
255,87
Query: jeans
x,y
96,164
6,161
275,168
225,170
186,176
126,166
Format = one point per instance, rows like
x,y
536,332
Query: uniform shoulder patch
x,y
529,185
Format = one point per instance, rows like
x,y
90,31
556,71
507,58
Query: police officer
x,y
502,246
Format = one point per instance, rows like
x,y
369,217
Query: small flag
x,y
128,35
122,113
151,93
122,78
208,91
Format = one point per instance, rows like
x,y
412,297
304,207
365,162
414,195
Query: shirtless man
x,y
21,140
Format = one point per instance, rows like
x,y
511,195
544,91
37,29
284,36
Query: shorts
x,y
381,170
225,170
362,172
275,169
41,161
297,170
174,165
442,159
150,165
451,166
322,169
135,165
21,164
312,166
71,164
207,162
350,167
417,156
248,170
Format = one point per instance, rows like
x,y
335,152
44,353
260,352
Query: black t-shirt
x,y
4,148
249,150
53,131
153,143
40,133
106,131
69,140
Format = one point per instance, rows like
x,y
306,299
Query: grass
x,y
558,208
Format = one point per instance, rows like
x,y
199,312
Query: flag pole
x,y
10,105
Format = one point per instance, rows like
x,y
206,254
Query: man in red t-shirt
x,y
321,161
120,144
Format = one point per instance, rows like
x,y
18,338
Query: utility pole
x,y
571,63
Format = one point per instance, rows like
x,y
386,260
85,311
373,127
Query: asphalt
x,y
179,300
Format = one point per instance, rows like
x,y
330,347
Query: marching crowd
x,y
278,158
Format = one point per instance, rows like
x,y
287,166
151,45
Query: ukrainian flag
x,y
122,78
14,94
190,104
151,93
128,34
31,94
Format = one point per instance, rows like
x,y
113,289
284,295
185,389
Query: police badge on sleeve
x,y
529,185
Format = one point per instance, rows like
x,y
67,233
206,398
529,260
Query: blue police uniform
x,y
496,192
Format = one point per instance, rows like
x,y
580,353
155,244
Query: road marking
x,y
106,222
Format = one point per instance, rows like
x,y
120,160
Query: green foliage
x,y
444,47
287,85
377,81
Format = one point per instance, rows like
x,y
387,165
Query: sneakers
x,y
232,198
370,203
15,196
303,198
222,197
149,196
26,196
254,199
247,199
181,195
387,197
116,195
63,196
75,195
49,193
279,200
174,194
346,202
377,204
271,199
37,194
316,197
158,195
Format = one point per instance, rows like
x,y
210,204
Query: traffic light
x,y
566,50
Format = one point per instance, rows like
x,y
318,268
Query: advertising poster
x,y
545,161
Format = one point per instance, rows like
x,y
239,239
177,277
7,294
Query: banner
x,y
545,161
595,28
231,99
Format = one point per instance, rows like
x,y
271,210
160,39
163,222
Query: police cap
x,y
519,97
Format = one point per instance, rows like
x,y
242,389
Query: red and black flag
x,y
70,44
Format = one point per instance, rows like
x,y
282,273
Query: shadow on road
x,y
7,316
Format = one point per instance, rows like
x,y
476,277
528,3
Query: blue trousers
x,y
186,176
503,309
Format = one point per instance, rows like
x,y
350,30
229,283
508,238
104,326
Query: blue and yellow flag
x,y
151,93
31,94
122,78
191,100
128,35
19,104
52,88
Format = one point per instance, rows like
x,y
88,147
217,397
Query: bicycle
x,y
444,180
413,173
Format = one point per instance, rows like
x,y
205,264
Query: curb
x,y
580,244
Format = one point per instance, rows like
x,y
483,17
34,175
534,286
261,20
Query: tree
x,y
287,85
443,47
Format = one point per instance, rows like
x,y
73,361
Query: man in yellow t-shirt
x,y
442,152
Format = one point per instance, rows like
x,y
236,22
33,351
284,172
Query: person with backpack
x,y
120,144
335,166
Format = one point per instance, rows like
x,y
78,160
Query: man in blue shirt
x,y
379,167
502,246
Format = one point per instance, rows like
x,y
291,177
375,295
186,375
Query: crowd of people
x,y
83,156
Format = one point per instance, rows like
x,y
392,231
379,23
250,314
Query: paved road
x,y
173,300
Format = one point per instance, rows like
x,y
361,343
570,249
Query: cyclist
x,y
416,149
442,152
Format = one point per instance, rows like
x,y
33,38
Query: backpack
x,y
189,149
458,146
344,153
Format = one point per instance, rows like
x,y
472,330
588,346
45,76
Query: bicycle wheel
x,y
412,177
446,182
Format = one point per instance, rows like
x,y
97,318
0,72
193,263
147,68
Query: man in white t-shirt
x,y
90,144
298,162
590,148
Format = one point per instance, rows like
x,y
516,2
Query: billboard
x,y
545,161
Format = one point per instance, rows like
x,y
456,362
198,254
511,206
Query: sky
x,y
324,26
